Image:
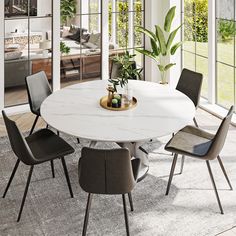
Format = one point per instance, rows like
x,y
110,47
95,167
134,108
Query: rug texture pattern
x,y
190,208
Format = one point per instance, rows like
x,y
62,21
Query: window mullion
x,y
212,52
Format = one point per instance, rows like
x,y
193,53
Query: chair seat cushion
x,y
190,141
46,145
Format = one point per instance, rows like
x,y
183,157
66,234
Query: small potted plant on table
x,y
127,70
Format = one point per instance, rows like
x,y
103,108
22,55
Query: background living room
x,y
28,40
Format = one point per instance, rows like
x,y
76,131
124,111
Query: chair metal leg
x,y
67,176
52,167
34,124
224,171
78,140
87,214
131,202
195,122
214,186
172,170
126,215
25,193
182,164
172,154
11,178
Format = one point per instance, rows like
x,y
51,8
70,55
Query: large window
x,y
124,16
81,34
195,37
225,53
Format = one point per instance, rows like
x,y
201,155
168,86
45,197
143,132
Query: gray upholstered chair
x,y
39,147
197,143
38,90
116,70
190,83
107,172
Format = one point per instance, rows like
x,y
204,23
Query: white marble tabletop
x,y
76,110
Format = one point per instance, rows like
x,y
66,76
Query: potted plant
x,y
127,70
162,44
68,10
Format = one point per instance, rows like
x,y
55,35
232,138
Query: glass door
x,y
28,30
81,38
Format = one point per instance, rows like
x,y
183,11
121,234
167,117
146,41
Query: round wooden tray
x,y
103,103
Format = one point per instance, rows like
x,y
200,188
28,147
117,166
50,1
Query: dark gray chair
x,y
107,172
38,89
116,70
41,146
190,83
197,143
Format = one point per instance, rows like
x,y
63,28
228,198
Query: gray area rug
x,y
190,208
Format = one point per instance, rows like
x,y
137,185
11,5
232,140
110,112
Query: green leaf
x,y
171,38
146,53
169,19
161,68
148,33
175,47
161,39
167,67
155,48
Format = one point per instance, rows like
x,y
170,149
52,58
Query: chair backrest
x,y
115,70
220,137
38,90
106,171
17,141
190,84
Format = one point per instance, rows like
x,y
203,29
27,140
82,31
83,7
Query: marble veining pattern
x,y
75,110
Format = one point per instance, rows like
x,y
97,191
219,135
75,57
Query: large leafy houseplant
x,y
162,43
127,70
68,10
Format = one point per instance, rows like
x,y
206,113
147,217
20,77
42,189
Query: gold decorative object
x,y
131,105
111,91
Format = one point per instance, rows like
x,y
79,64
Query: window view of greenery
x,y
124,16
225,58
195,36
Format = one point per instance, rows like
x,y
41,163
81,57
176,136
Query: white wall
x,y
176,70
153,16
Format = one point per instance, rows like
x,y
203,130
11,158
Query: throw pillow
x,y
77,35
94,38
85,38
65,31
73,29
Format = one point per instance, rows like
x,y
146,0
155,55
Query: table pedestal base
x,y
137,152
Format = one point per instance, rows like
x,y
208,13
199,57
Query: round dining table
x,y
160,111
